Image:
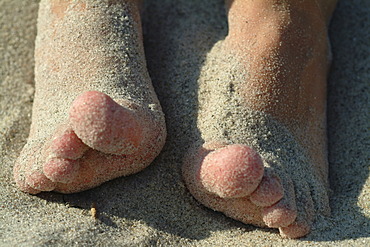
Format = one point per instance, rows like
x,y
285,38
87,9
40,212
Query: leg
x,y
262,117
95,114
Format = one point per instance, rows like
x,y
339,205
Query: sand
x,y
153,207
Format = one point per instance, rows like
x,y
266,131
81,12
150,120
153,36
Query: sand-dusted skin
x,y
262,117
95,114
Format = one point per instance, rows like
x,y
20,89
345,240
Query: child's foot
x,y
95,114
262,118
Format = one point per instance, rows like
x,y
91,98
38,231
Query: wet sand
x,y
153,207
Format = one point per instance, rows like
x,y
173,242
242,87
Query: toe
x,y
61,170
284,212
37,180
231,172
20,180
67,145
24,164
96,168
302,225
65,150
104,125
279,215
268,192
295,230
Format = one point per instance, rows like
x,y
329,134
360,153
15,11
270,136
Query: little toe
x,y
284,212
268,192
231,172
37,180
32,168
25,175
104,125
20,180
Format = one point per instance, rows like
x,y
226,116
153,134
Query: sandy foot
x,y
95,114
262,119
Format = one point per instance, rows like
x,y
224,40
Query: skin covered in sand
x,y
265,110
68,145
95,114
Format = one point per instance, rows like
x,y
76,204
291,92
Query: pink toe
x,y
104,125
67,145
279,215
61,170
232,171
269,191
28,189
295,230
21,183
38,181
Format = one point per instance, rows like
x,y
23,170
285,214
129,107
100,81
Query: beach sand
x,y
153,207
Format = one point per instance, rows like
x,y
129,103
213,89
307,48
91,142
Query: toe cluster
x,y
96,122
232,179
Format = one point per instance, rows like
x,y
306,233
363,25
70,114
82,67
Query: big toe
x,y
104,125
232,171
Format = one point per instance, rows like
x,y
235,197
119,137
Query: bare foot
x,y
262,117
95,114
